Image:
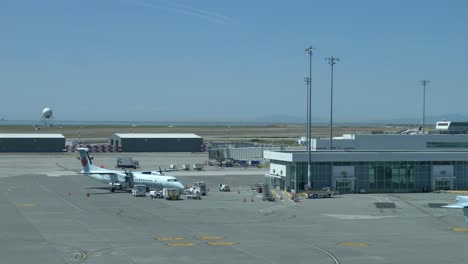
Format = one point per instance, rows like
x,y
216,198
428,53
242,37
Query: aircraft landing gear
x,y
112,188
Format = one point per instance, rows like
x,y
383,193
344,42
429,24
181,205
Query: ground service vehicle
x,y
198,166
139,190
156,194
195,194
324,193
201,186
171,193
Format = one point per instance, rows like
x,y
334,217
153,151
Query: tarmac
x,y
47,217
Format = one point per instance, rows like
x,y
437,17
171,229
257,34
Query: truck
x,y
127,163
156,194
139,190
201,186
325,192
198,166
224,188
171,193
186,167
194,194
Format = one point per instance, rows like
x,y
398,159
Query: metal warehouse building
x,y
375,163
32,142
157,142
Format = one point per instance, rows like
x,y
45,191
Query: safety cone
x,y
244,200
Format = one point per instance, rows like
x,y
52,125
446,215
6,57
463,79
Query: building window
x,y
447,144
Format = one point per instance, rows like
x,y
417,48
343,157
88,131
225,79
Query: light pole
x,y
424,83
332,61
309,51
307,82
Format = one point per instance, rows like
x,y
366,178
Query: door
x,y
344,186
442,184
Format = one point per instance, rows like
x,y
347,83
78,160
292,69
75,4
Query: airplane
x,y
411,131
461,202
123,179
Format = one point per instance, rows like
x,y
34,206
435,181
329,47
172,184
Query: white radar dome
x,y
47,112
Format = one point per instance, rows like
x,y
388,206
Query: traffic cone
x,y
244,200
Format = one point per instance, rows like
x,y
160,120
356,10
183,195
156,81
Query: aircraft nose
x,y
179,185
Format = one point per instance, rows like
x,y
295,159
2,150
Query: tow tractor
x,y
201,186
193,193
156,194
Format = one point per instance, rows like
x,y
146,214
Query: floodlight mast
x,y
332,61
309,51
424,83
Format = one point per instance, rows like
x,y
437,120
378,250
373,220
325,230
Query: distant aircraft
x,y
122,179
461,202
411,131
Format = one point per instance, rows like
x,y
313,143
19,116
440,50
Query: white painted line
x,y
357,217
274,208
45,188
329,254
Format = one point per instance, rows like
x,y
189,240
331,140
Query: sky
x,y
231,61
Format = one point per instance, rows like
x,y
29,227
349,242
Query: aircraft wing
x,y
456,206
113,176
460,203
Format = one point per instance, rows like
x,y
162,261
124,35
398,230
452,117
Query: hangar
x,y
157,142
32,142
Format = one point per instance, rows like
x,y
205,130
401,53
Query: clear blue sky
x,y
243,60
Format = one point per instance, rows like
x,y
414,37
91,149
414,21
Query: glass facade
x,y
447,144
401,176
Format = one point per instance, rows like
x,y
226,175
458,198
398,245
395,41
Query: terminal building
x,y
157,142
375,163
32,142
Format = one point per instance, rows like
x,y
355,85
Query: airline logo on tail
x,y
85,160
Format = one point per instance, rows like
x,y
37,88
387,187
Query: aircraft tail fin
x,y
85,159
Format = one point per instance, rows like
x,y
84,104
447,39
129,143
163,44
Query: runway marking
x,y
83,256
182,244
210,237
357,217
328,254
169,238
352,244
222,243
25,205
276,207
45,188
460,229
